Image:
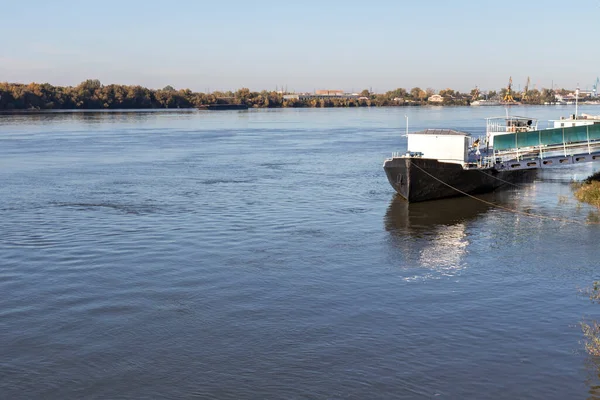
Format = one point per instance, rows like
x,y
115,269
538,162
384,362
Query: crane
x,y
475,93
525,95
508,98
595,87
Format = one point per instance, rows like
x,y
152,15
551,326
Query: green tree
x,y
547,96
415,92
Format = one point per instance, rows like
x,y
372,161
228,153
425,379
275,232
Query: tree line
x,y
92,94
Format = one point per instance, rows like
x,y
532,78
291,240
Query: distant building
x,y
436,98
322,94
571,97
329,92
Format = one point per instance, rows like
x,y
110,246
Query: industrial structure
x,y
508,97
525,95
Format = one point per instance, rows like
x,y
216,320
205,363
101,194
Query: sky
x,y
302,45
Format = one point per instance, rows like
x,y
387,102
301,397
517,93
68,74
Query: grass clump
x,y
591,331
592,338
593,293
589,190
592,178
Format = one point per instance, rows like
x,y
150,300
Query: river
x,y
263,254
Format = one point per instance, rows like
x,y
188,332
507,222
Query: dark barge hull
x,y
415,178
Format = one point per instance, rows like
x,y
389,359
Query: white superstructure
x,y
582,120
445,145
485,103
508,124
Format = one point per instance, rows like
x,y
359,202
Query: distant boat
x,y
485,103
218,107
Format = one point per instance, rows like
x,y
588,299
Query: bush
x,y
592,336
589,190
592,178
589,193
591,331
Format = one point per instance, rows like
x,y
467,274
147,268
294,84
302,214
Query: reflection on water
x,y
447,250
417,219
95,117
592,367
433,235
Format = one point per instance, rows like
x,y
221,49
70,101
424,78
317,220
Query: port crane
x,y
595,87
475,92
508,97
525,95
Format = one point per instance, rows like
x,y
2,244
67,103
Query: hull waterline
x,y
421,179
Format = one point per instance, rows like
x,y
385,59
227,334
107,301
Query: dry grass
x,y
589,193
591,331
592,338
589,190
563,199
593,293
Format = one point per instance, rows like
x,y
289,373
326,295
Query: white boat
x,y
485,103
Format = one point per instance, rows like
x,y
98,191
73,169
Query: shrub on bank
x,y
592,338
593,178
591,331
589,190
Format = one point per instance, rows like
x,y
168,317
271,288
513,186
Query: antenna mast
x,y
576,99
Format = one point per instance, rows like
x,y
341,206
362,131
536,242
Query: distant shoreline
x,y
194,109
93,95
95,110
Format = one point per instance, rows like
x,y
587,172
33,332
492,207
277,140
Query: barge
x,y
441,163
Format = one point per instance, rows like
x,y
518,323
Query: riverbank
x,y
92,94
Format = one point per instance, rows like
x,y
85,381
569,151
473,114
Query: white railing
x,y
510,125
496,127
544,151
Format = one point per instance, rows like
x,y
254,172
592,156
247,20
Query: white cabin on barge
x,y
444,145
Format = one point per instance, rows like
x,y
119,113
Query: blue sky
x,y
305,45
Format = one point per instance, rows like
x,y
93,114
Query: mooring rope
x,y
512,210
501,180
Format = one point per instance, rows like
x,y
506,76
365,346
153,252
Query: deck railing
x,y
544,151
510,125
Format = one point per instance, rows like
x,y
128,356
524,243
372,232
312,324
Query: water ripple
x,y
137,262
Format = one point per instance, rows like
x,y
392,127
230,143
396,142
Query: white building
x,y
436,98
